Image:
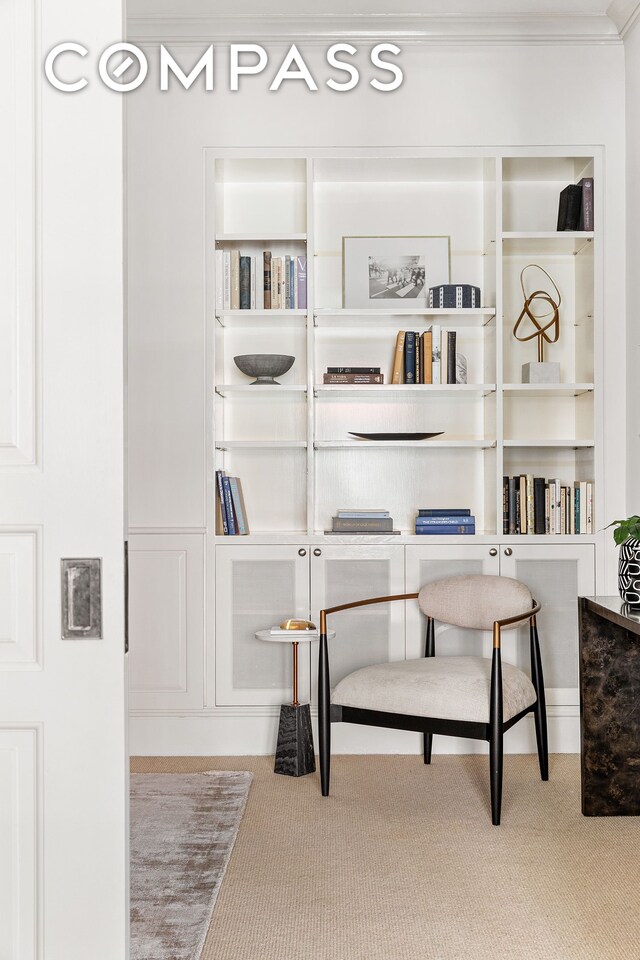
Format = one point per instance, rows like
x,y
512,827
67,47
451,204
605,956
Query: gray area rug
x,y
183,828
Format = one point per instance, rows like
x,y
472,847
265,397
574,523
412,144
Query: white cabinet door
x,y
556,575
434,562
166,621
256,588
365,635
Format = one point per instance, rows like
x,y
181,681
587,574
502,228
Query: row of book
x,y
445,522
534,505
575,207
231,513
260,282
427,357
361,375
350,520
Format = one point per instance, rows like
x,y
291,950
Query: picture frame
x,y
391,273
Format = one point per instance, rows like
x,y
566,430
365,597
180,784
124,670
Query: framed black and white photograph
x,y
389,272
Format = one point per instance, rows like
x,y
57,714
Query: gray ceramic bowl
x,y
264,366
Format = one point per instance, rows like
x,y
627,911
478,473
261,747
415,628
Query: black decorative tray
x,y
395,436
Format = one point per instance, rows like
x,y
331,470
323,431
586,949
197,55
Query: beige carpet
x,y
402,863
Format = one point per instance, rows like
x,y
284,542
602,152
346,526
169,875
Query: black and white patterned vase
x,y
629,572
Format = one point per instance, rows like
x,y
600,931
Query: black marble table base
x,y
294,753
610,689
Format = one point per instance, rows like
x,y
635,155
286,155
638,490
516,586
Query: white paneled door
x,y
63,766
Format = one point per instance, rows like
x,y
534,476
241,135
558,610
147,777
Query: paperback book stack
x,y
445,522
362,521
575,209
260,282
231,514
359,375
534,505
427,357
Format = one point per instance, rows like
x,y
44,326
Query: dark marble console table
x,y
609,707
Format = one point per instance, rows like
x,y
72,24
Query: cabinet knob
x,y
317,552
508,551
493,552
302,552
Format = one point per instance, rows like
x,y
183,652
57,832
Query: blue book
x,y
450,528
229,507
223,509
238,510
444,521
410,357
446,512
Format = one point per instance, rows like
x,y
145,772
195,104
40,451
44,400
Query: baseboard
x,y
209,735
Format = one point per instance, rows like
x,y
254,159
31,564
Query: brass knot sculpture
x,y
548,332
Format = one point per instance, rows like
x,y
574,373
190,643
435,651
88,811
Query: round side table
x,y
294,752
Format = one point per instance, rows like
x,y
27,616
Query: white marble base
x,y
547,372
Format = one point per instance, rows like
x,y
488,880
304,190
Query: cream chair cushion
x,y
474,601
450,688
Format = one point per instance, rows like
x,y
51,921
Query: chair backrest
x,y
474,601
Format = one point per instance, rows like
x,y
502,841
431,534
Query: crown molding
x,y
624,14
149,27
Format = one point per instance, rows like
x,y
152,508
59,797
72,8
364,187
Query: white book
x,y
253,283
444,355
219,281
583,506
558,506
552,507
435,356
226,297
294,292
589,528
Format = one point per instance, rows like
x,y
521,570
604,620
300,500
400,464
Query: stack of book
x,y
371,521
428,357
260,283
575,209
445,521
361,375
231,514
534,505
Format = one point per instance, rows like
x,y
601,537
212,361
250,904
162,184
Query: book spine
x,y
563,204
586,211
228,503
547,509
379,524
219,281
505,505
455,529
444,354
589,527
427,352
563,509
574,206
287,283
294,261
538,505
302,283
445,512
254,285
398,358
523,503
235,279
516,483
365,514
435,353
237,506
410,357
552,507
245,283
530,505
512,506
363,378
353,369
558,507
451,356
223,509
444,521
418,360
227,280
266,268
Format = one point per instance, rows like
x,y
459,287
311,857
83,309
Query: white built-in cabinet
x,y
197,605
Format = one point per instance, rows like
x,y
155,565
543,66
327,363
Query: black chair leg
x,y
540,708
429,651
324,716
495,766
427,745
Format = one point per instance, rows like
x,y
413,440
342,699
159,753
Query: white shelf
x,y
261,444
261,237
567,242
408,391
424,444
547,389
325,316
223,389
566,444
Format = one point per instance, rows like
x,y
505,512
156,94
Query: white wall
x,y
632,62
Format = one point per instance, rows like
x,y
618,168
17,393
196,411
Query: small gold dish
x,y
297,625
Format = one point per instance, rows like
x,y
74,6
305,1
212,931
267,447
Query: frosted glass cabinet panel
x,y
434,562
365,635
556,576
256,588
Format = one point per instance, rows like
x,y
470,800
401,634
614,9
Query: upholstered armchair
x,y
467,696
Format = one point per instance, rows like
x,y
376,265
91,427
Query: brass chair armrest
x,y
361,603
509,621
